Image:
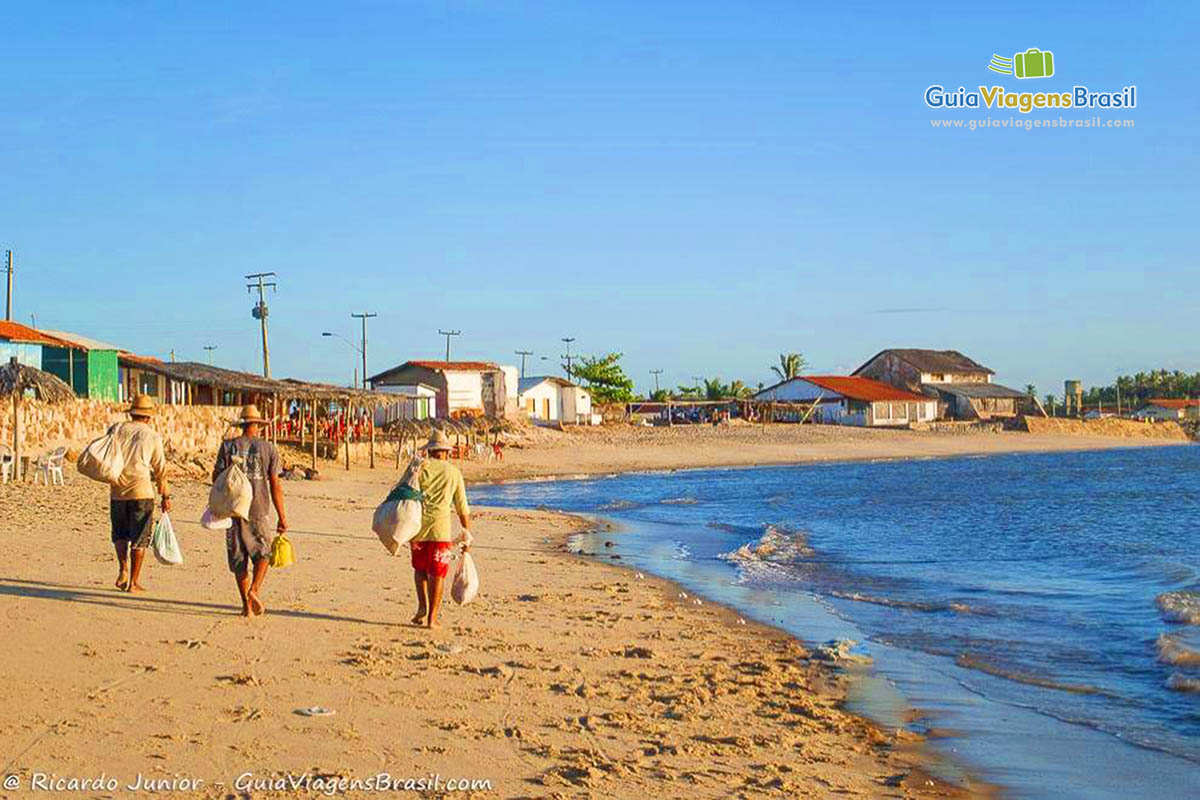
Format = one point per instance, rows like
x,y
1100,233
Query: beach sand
x,y
566,678
580,451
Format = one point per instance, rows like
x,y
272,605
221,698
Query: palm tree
x,y
738,390
790,365
1031,390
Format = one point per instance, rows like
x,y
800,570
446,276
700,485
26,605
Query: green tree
x,y
603,377
687,392
738,391
1031,390
790,365
714,389
660,395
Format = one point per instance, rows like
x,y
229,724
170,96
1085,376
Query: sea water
x,y
1041,611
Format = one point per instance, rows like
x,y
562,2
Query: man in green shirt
x,y
441,486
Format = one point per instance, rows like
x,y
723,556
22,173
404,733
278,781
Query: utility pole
x,y
448,334
259,312
656,373
522,354
567,340
696,379
364,317
210,348
8,301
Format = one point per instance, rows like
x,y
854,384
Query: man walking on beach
x,y
131,497
441,485
248,541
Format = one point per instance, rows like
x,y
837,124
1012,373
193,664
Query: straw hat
x,y
438,441
250,414
142,406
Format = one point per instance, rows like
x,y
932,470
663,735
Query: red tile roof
x,y
16,332
1173,402
863,388
455,366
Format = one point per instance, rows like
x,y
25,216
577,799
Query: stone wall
x,y
1105,427
188,431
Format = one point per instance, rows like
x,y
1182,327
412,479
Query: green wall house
x,y
87,366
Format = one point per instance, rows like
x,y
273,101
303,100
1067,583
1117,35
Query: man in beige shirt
x,y
131,498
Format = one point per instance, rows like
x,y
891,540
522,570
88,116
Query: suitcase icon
x,y
1034,63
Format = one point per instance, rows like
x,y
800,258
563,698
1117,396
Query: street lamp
x,y
353,347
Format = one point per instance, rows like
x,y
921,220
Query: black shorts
x,y
132,521
246,542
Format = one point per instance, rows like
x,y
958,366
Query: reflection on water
x,y
1046,606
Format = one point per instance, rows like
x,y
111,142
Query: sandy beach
x,y
588,451
569,677
566,678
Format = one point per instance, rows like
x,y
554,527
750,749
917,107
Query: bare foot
x,y
246,612
433,625
123,581
419,619
256,606
135,587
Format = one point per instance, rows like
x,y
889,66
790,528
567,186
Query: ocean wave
x,y
977,663
1182,683
1182,607
680,501
911,605
619,505
776,546
1172,651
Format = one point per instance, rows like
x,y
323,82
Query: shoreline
x,y
567,676
590,453
849,676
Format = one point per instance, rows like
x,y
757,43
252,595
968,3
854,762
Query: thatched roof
x,y
20,378
236,381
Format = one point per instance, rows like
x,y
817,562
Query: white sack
x,y
103,459
466,581
231,492
166,546
398,517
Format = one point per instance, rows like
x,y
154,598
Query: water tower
x,y
1073,398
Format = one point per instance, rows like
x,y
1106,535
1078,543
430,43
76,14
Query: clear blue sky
x,y
698,185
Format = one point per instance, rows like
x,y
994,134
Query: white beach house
x,y
554,399
848,400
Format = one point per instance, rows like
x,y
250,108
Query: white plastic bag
x,y
103,459
208,521
166,546
466,581
231,492
398,517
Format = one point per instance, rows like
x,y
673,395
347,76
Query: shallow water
x,y
1046,608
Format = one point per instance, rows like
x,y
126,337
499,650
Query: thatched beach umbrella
x,y
19,379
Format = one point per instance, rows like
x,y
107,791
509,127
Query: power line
x,y
656,373
260,312
568,340
210,348
8,297
448,334
364,317
522,354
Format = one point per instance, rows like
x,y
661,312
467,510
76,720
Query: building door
x,y
546,407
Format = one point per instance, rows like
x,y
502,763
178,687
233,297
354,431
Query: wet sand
x,y
566,678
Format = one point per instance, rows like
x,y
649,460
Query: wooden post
x,y
301,415
347,412
312,409
372,422
16,427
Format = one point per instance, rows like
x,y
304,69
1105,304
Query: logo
x,y
1033,63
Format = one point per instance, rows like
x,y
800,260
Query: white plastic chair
x,y
6,463
50,467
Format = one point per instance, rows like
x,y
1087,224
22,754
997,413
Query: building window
x,y
148,384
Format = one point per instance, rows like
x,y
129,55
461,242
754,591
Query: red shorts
x,y
432,558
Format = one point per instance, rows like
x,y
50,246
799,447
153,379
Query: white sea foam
x,y
1182,607
775,546
1173,651
1183,683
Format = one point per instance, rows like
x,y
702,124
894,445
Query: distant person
x,y
248,541
131,498
441,486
